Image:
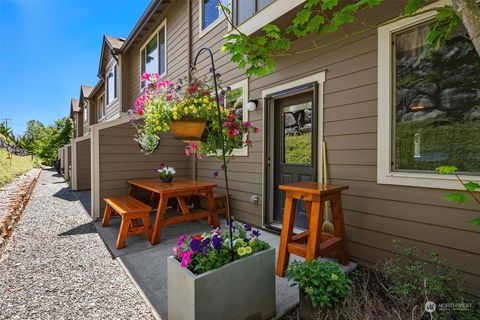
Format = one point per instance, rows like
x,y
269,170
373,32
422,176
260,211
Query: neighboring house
x,y
86,106
110,73
76,118
366,96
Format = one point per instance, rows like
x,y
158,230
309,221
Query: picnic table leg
x,y
183,205
213,209
157,228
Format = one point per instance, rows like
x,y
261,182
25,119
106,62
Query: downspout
x,y
189,61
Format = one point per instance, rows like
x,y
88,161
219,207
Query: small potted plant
x,y
201,269
165,173
321,284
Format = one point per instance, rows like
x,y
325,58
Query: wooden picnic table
x,y
179,188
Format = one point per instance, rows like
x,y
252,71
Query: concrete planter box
x,y
244,289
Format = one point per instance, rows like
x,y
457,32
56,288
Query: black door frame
x,y
268,145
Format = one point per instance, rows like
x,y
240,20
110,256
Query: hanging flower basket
x,y
187,109
188,130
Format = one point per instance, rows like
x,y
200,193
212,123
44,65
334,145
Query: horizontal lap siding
x,y
121,159
83,165
177,49
374,214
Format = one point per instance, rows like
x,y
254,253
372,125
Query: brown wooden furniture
x,y
312,243
220,202
130,209
179,188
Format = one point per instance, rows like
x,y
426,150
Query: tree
x,y
257,53
7,134
44,142
32,136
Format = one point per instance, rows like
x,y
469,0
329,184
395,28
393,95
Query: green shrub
x,y
323,282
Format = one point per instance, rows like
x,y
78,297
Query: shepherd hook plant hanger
x,y
222,142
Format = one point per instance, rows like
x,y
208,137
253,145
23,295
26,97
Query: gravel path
x,y
57,267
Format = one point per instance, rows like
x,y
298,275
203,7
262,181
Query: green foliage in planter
x,y
323,282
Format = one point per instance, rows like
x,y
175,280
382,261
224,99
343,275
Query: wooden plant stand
x,y
312,243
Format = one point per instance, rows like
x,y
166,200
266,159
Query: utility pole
x,y
5,120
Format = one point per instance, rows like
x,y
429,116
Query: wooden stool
x,y
312,243
130,209
220,199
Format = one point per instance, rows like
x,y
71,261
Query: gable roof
x,y
98,85
74,106
85,91
155,8
112,44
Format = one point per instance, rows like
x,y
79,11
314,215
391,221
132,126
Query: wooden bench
x,y
220,199
130,209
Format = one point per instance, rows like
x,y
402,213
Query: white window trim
x,y
385,175
242,152
102,111
111,64
221,17
274,10
85,113
154,34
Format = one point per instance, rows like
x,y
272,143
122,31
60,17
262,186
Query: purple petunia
x,y
217,242
248,227
195,245
215,174
256,233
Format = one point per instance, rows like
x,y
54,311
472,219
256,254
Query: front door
x,y
293,155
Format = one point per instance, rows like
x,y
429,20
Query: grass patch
x,y
18,166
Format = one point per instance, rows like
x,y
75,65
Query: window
x,y
101,107
85,111
431,115
153,53
112,83
236,100
210,13
244,9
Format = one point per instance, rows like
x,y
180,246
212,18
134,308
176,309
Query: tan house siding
x,y
68,163
83,164
375,214
120,159
177,50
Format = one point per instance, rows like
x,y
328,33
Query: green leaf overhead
x,y
413,6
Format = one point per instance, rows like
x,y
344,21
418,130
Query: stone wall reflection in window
x,y
437,103
297,126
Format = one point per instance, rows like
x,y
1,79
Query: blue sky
x,y
48,48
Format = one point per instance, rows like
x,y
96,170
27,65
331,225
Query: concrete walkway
x,y
57,267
